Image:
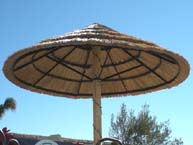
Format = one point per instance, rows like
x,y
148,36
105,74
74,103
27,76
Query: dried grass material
x,y
128,65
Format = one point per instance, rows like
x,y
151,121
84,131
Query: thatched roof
x,y
63,65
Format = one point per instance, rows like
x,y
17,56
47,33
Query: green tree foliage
x,y
142,129
9,103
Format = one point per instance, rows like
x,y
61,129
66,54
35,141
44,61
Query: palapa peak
x,y
98,34
98,26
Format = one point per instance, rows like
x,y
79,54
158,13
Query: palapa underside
x,y
62,65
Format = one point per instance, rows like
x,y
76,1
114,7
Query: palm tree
x,y
9,103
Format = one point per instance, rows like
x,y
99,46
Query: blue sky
x,y
24,23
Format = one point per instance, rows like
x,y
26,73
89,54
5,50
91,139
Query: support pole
x,y
97,112
96,67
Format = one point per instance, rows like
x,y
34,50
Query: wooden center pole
x,y
97,112
96,67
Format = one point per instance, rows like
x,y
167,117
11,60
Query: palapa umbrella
x,y
95,62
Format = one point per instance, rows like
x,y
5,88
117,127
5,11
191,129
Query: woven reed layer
x,y
62,65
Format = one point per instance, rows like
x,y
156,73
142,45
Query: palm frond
x,y
10,103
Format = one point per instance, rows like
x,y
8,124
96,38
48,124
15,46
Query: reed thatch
x,y
128,65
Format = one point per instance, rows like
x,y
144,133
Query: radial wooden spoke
x,y
86,62
103,66
121,72
33,60
74,70
146,66
108,53
53,67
